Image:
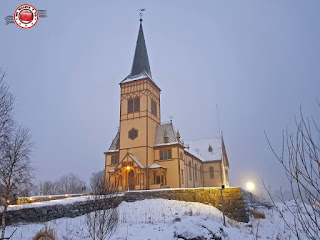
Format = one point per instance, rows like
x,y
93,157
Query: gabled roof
x,y
155,165
115,143
136,160
130,155
200,149
168,130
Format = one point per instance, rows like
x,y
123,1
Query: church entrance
x,y
131,182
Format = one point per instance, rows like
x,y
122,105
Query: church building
x,y
149,154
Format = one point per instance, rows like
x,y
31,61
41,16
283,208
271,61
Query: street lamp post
x,y
128,169
222,206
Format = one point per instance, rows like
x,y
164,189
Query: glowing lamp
x,y
66,195
250,186
128,168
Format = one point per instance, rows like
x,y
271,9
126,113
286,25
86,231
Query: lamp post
x,y
128,169
222,206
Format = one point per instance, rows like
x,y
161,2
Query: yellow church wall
x,y
216,181
152,127
172,165
138,124
172,172
196,177
150,156
140,153
225,177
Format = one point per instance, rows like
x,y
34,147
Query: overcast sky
x,y
258,60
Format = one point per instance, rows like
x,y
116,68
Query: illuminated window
x,y
114,159
211,170
165,154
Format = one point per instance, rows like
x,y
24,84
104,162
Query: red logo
x,y
26,16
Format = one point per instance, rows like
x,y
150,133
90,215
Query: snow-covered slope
x,y
166,219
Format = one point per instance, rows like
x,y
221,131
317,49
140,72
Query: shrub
x,y
45,234
257,214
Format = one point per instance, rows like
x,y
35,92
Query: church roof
x,y
137,77
200,149
140,65
165,130
115,143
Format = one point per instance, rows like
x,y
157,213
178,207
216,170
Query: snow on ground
x,y
49,203
166,219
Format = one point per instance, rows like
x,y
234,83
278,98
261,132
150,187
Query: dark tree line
x,y
67,184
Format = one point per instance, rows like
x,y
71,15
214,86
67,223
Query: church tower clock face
x,y
133,133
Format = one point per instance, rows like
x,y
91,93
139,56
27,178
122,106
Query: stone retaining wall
x,y
233,200
233,204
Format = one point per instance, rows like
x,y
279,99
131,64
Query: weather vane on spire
x,y
141,13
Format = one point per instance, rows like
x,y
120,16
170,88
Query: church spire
x,y
140,63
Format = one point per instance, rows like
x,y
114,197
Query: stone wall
x,y
233,204
51,212
233,200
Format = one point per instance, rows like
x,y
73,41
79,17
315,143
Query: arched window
x,y
190,171
182,179
211,170
136,104
153,107
195,172
133,105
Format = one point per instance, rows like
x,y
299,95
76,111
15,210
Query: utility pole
x,y
222,206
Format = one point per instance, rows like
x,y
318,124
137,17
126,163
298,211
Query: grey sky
x,y
258,60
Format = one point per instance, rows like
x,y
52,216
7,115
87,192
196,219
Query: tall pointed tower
x,y
139,111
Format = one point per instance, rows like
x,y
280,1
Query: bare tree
x,y
48,188
15,148
6,107
67,184
15,169
103,221
70,183
97,182
300,160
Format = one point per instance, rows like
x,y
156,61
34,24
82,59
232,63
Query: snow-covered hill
x,y
167,219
